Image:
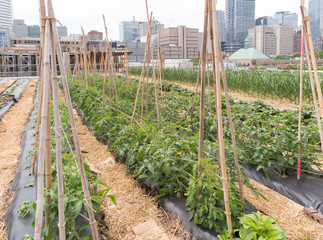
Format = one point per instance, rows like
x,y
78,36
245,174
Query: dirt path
x,y
12,125
134,205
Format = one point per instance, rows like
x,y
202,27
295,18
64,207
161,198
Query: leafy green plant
x,y
74,201
28,237
255,226
25,208
164,153
28,185
205,198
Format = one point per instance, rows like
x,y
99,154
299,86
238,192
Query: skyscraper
x,y
240,16
6,14
286,17
129,30
266,21
220,17
315,12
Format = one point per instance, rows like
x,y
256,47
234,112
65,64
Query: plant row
x,y
165,152
74,201
258,83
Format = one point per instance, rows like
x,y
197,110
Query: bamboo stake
x,y
123,71
154,79
226,92
202,96
88,68
209,87
105,63
309,40
87,195
318,114
42,11
93,71
141,78
41,82
154,74
160,68
42,144
84,58
101,62
127,66
197,80
79,60
94,60
300,106
57,130
48,165
110,65
221,140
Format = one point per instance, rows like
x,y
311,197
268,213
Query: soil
x,y
12,126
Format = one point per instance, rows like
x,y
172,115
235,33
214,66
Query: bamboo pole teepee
x,y
57,130
85,189
42,11
43,133
202,96
226,93
221,139
300,101
85,58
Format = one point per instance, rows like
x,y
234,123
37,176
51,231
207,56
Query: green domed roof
x,y
247,53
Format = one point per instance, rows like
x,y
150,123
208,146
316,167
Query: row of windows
x,y
38,42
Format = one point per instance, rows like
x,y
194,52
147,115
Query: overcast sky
x,y
88,13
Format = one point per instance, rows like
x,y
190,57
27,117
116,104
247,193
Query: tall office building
x,y
220,17
179,42
263,39
156,26
129,30
240,16
286,17
6,14
62,31
284,39
315,12
33,31
266,21
20,29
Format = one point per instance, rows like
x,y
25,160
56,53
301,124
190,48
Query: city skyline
x,y
170,13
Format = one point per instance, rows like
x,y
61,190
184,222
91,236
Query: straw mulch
x,y
12,126
134,205
292,219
